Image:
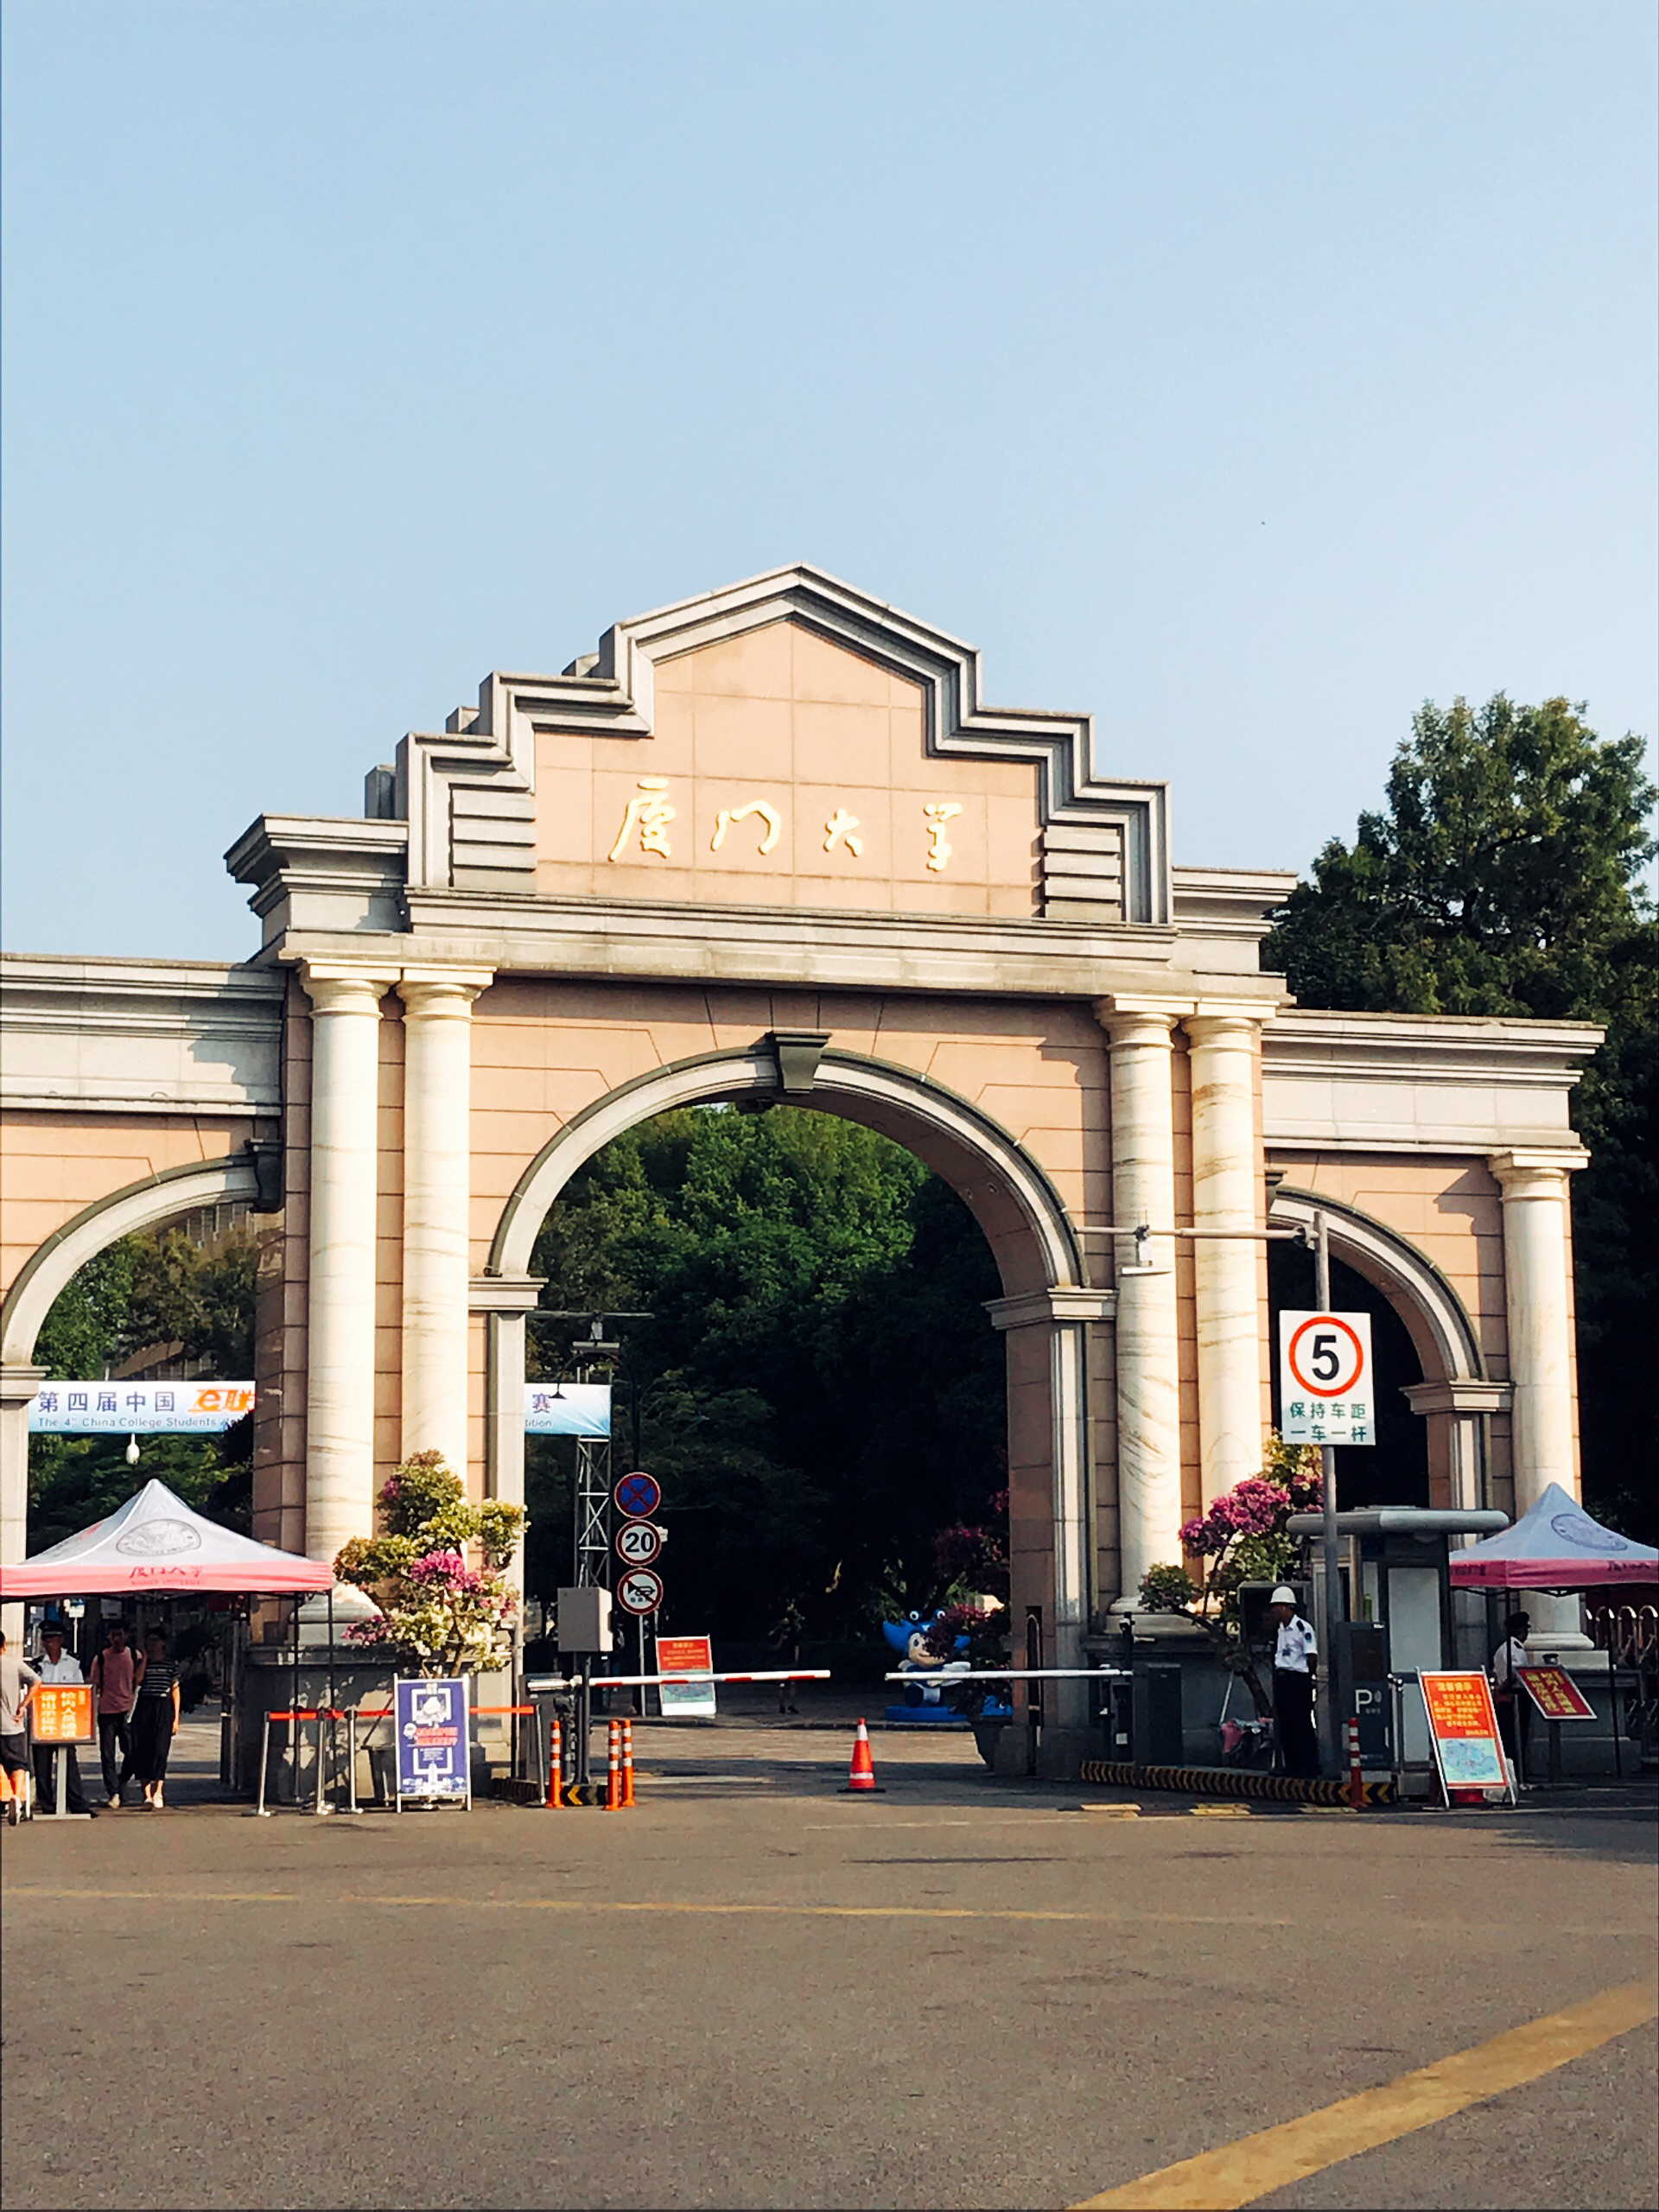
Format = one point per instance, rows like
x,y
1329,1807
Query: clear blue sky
x,y
1244,372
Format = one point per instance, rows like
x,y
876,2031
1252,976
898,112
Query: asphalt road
x,y
754,1991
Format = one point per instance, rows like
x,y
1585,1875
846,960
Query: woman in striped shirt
x,y
154,1718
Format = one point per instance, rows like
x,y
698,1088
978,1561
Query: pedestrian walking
x,y
154,1718
57,1665
1295,1669
115,1685
17,1683
1509,1697
786,1640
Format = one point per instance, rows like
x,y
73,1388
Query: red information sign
x,y
61,1712
685,1655
1556,1693
1463,1725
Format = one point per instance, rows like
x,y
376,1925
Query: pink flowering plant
x,y
440,1612
1241,1539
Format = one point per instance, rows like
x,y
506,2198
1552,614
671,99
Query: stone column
x,y
1227,1184
437,1198
504,1299
17,1386
1537,1297
1143,1191
1465,1407
1063,1314
339,1303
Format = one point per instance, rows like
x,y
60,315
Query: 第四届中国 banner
x,y
135,1409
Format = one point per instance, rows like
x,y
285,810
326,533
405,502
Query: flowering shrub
x,y
1241,1539
437,1612
976,1559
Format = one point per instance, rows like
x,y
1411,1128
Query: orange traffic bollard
x,y
554,1764
628,1763
861,1776
614,1769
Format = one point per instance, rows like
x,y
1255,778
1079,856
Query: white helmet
x,y
1284,1595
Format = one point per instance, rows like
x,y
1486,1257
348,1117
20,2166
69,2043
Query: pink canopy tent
x,y
156,1545
1555,1546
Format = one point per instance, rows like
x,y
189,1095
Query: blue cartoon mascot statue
x,y
922,1706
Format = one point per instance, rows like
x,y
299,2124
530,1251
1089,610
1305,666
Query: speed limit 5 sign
x,y
1324,1379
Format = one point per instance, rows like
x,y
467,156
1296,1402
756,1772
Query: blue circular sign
x,y
639,1496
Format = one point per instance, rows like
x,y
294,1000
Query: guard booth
x,y
1399,1616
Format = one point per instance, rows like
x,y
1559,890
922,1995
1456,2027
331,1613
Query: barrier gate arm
x,y
539,1684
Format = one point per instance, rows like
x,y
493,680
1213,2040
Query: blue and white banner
x,y
567,1409
433,1755
138,1408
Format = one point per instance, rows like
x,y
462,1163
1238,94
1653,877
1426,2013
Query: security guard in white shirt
x,y
1295,1668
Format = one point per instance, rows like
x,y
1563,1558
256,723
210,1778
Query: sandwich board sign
x,y
1325,1393
1551,1689
434,1748
685,1655
1463,1729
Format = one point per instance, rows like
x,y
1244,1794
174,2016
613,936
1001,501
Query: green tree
x,y
1503,877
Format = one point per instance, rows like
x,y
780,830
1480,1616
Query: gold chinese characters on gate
x,y
650,814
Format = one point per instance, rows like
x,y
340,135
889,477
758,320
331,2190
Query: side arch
x,y
1435,1317
159,1197
1023,1216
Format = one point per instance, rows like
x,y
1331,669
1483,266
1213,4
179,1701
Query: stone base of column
x,y
1060,1752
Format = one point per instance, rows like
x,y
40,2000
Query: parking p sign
x,y
1324,1379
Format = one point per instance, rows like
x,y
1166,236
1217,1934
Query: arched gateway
x,y
769,841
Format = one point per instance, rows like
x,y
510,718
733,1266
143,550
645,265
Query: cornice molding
x,y
1429,1048
623,939
1034,1309
139,1036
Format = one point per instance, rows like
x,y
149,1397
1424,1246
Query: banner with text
x,y
138,1408
567,1409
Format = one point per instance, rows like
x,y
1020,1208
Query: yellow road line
x,y
1129,1916
744,1909
1254,2166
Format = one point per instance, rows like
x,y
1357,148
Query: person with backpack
x,y
115,1686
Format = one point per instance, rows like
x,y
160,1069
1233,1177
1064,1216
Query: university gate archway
x,y
772,839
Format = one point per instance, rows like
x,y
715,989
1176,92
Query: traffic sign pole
x,y
1330,1731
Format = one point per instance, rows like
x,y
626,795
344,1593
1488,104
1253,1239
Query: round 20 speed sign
x,y
639,1542
641,1590
1325,1378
